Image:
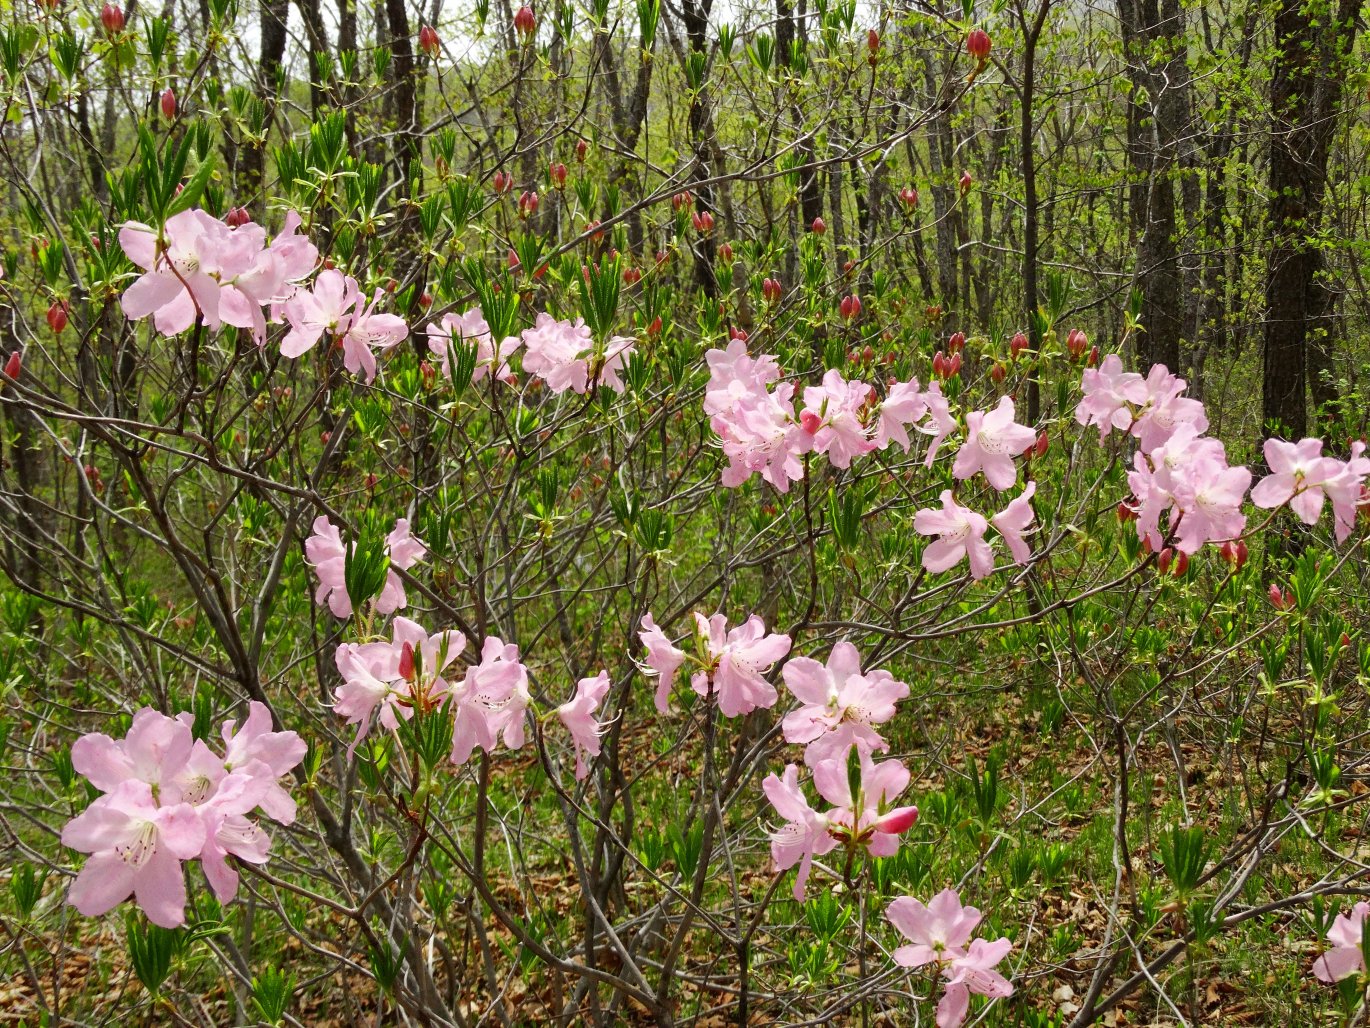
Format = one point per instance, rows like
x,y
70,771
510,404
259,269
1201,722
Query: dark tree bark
x,y
1313,39
1159,117
1032,32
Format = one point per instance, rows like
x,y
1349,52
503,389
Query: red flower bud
x,y
525,23
997,374
407,662
237,217
425,299
1077,343
631,276
818,226
740,334
168,103
1040,447
528,204
1126,513
771,290
939,365
428,40
703,222
1092,360
1163,560
810,421
502,182
582,148
681,199
57,316
1017,345
956,343
112,19
12,366
725,253
966,182
978,45
850,307
909,195
557,173
654,329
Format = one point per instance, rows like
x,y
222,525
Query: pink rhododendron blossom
x,y
136,849
960,536
805,832
491,699
993,439
562,354
1165,410
1347,491
472,328
374,684
840,704
940,933
869,818
327,554
904,405
1298,474
741,658
1188,475
834,410
663,661
578,715
333,307
1346,956
1013,521
760,436
1110,393
405,550
736,377
940,422
167,798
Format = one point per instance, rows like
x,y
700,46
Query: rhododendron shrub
x,y
493,584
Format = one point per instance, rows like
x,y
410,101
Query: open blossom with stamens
x,y
559,353
960,536
869,818
1299,475
993,439
333,307
167,798
1346,956
940,422
472,328
833,416
663,660
805,832
1188,475
840,704
578,715
1165,410
940,933
741,659
490,701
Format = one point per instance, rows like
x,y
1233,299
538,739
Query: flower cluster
x,y
198,266
335,308
328,555
168,798
471,327
729,665
940,934
563,354
753,414
1181,474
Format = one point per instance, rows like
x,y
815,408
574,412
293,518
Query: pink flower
x,y
869,818
993,439
940,933
266,755
973,972
735,377
1013,521
327,553
904,405
1347,491
1165,410
741,658
577,714
405,551
180,271
1109,395
663,661
558,352
327,308
373,682
805,832
1298,474
491,699
154,752
834,411
472,328
941,423
961,535
136,848
840,704
369,333
937,932
759,435
1346,957
227,832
